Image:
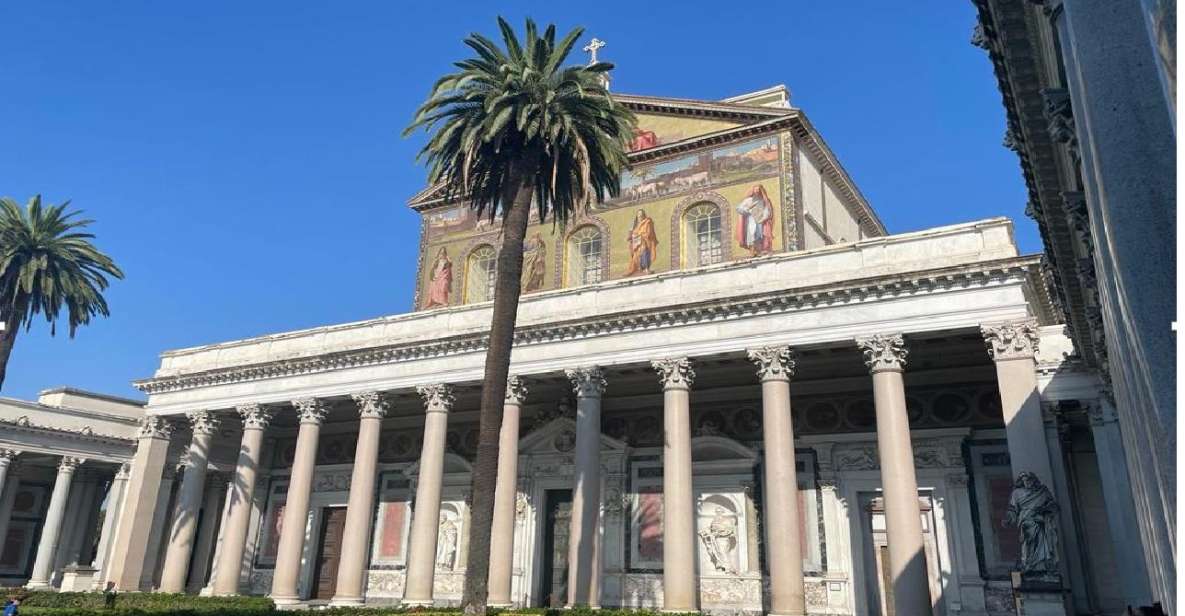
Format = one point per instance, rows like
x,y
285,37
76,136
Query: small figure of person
x,y
643,243
440,281
12,606
755,230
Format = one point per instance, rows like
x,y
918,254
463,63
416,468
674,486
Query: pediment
x,y
720,449
559,436
453,464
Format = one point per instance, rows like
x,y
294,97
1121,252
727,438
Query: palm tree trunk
x,y
507,288
7,341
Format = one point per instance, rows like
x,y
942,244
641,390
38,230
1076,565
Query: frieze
x,y
708,311
383,583
332,481
84,433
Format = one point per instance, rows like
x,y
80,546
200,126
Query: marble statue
x,y
446,547
1033,510
720,539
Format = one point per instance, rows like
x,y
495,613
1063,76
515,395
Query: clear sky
x,y
244,163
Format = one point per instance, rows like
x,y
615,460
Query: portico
x,y
834,439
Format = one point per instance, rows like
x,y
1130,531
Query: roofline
x,y
90,394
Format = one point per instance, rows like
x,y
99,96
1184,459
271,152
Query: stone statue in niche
x,y
720,540
446,544
1033,510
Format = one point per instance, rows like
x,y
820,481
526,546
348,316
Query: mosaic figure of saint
x,y
440,281
534,263
643,244
755,228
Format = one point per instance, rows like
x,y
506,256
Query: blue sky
x,y
244,163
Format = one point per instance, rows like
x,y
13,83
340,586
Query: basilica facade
x,y
733,391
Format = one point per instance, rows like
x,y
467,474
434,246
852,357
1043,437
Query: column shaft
x,y
351,572
240,497
286,576
129,553
7,499
505,494
885,357
52,529
189,502
111,515
425,522
207,534
680,583
584,562
782,524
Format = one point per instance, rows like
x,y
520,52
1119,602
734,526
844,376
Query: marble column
x,y
9,484
505,495
286,577
6,458
425,521
111,515
240,497
1126,543
1013,346
207,534
584,557
204,425
680,583
129,552
775,366
351,571
42,576
885,357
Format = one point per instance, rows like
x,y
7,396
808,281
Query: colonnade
x,y
884,355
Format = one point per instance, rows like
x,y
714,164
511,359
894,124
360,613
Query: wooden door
x,y
333,526
883,587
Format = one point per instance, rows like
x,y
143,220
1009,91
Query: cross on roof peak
x,y
592,48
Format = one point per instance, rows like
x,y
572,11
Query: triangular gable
x,y
552,437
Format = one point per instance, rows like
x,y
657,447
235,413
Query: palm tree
x,y
513,126
46,264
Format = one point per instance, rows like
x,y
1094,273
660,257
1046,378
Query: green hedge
x,y
138,601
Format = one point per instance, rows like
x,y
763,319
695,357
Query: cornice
x,y
790,300
692,108
26,425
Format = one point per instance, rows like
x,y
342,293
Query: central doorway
x,y
558,513
876,557
333,526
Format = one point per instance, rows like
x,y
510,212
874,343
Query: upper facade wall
x,y
722,197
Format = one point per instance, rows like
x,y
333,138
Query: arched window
x,y
704,241
480,274
585,248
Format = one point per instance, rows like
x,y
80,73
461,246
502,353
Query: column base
x,y
416,602
676,610
582,607
38,585
285,599
346,602
500,605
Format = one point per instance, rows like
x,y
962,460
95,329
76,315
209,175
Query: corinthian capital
x,y
1013,340
371,404
155,426
587,381
311,410
255,416
438,397
67,464
883,352
7,456
773,363
516,391
674,372
203,422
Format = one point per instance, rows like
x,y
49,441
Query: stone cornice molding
x,y
154,426
1012,340
204,423
516,391
883,352
773,363
371,404
438,397
311,410
988,273
23,424
674,372
587,381
255,416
